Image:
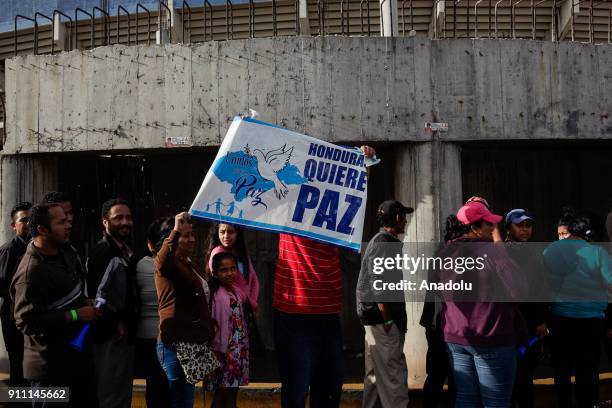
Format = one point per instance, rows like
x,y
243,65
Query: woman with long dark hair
x,y
581,274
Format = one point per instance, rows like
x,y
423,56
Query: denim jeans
x,y
310,358
484,376
181,392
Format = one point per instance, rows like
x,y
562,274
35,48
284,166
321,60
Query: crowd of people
x,y
486,350
94,326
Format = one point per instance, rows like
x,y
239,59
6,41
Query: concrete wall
x,y
335,88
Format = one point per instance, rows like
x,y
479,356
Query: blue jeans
x,y
181,392
484,376
310,358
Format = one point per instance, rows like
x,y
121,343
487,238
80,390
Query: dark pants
x,y
157,393
13,341
72,369
310,358
525,369
576,350
438,371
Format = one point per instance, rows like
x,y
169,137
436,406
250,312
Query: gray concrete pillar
x,y
304,20
388,18
427,178
23,178
176,24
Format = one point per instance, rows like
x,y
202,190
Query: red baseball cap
x,y
476,211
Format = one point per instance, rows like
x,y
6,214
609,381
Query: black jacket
x,y
111,275
10,255
43,289
384,245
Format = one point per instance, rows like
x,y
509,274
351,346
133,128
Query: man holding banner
x,y
308,334
314,193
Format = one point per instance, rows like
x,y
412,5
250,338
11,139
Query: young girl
x,y
231,341
231,239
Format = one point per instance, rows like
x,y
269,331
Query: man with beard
x,y
110,276
50,310
63,199
10,255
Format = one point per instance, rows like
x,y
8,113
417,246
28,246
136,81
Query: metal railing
x,y
106,22
146,10
404,16
334,17
76,28
59,13
185,6
17,17
367,2
120,8
229,19
3,120
160,19
209,7
36,15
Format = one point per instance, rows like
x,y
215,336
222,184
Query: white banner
x,y
270,178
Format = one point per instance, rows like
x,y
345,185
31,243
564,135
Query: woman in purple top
x,y
481,333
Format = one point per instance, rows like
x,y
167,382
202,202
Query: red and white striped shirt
x,y
308,278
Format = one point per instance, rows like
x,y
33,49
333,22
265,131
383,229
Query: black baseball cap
x,y
391,208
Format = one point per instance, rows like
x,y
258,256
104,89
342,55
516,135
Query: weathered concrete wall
x,y
335,88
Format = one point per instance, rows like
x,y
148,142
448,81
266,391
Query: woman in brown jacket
x,y
185,320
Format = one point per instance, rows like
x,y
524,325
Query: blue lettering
x,y
328,210
332,173
351,178
336,154
307,198
360,161
310,169
313,149
353,159
323,172
344,226
246,183
363,181
320,150
340,176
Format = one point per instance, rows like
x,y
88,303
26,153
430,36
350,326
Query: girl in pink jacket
x,y
231,341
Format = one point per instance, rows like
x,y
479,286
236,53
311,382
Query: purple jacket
x,y
484,324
